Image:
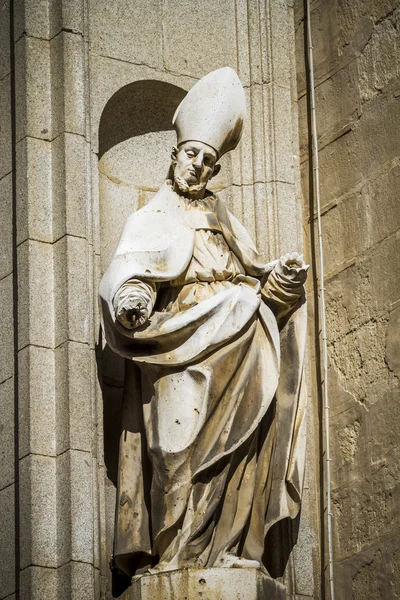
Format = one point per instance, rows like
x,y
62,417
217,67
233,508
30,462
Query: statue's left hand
x,y
292,268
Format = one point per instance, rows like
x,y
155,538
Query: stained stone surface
x,y
207,584
356,66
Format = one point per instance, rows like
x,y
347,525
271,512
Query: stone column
x,y
8,380
53,241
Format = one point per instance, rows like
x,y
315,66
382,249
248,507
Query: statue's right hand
x,y
132,311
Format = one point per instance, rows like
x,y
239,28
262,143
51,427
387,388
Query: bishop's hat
x,y
213,111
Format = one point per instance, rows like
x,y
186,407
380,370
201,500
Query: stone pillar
x,y
55,363
8,380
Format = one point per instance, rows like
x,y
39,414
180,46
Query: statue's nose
x,y
198,162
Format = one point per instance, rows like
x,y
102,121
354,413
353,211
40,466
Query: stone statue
x,y
212,449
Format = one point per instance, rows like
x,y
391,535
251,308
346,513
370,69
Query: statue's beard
x,y
185,187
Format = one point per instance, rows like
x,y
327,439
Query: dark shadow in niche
x,y
110,374
136,109
279,543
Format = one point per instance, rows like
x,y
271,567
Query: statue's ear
x,y
174,153
217,169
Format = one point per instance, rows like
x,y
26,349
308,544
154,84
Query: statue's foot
x,y
236,562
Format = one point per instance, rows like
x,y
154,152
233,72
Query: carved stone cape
x,y
213,434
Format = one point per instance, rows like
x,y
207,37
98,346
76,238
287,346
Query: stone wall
x,y
8,380
87,90
357,73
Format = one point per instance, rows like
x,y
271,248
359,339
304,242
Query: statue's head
x,y
193,165
208,123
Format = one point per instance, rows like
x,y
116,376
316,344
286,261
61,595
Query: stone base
x,y
207,584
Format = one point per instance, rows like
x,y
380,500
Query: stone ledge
x,y
206,584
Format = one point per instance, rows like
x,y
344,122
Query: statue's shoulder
x,y
165,206
156,226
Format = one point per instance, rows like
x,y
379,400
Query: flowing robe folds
x,y
213,440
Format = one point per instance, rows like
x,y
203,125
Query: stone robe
x,y
213,440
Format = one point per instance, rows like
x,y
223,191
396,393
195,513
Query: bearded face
x,y
194,163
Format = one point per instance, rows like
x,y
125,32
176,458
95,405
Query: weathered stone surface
x,y
357,445
74,410
37,403
35,294
70,164
353,298
372,573
181,23
6,328
81,506
7,541
325,39
76,582
71,290
214,584
7,433
34,190
38,512
5,125
140,22
366,509
282,146
280,44
36,18
33,88
359,357
127,162
37,583
392,356
341,32
343,166
4,38
6,231
377,65
124,82
338,101
74,515
356,73
68,84
366,215
304,561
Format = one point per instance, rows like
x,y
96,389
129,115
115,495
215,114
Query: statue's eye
x,y
190,153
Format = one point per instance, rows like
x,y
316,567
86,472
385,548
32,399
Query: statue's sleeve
x,y
133,291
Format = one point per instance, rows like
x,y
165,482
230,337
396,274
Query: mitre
x,y
213,111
